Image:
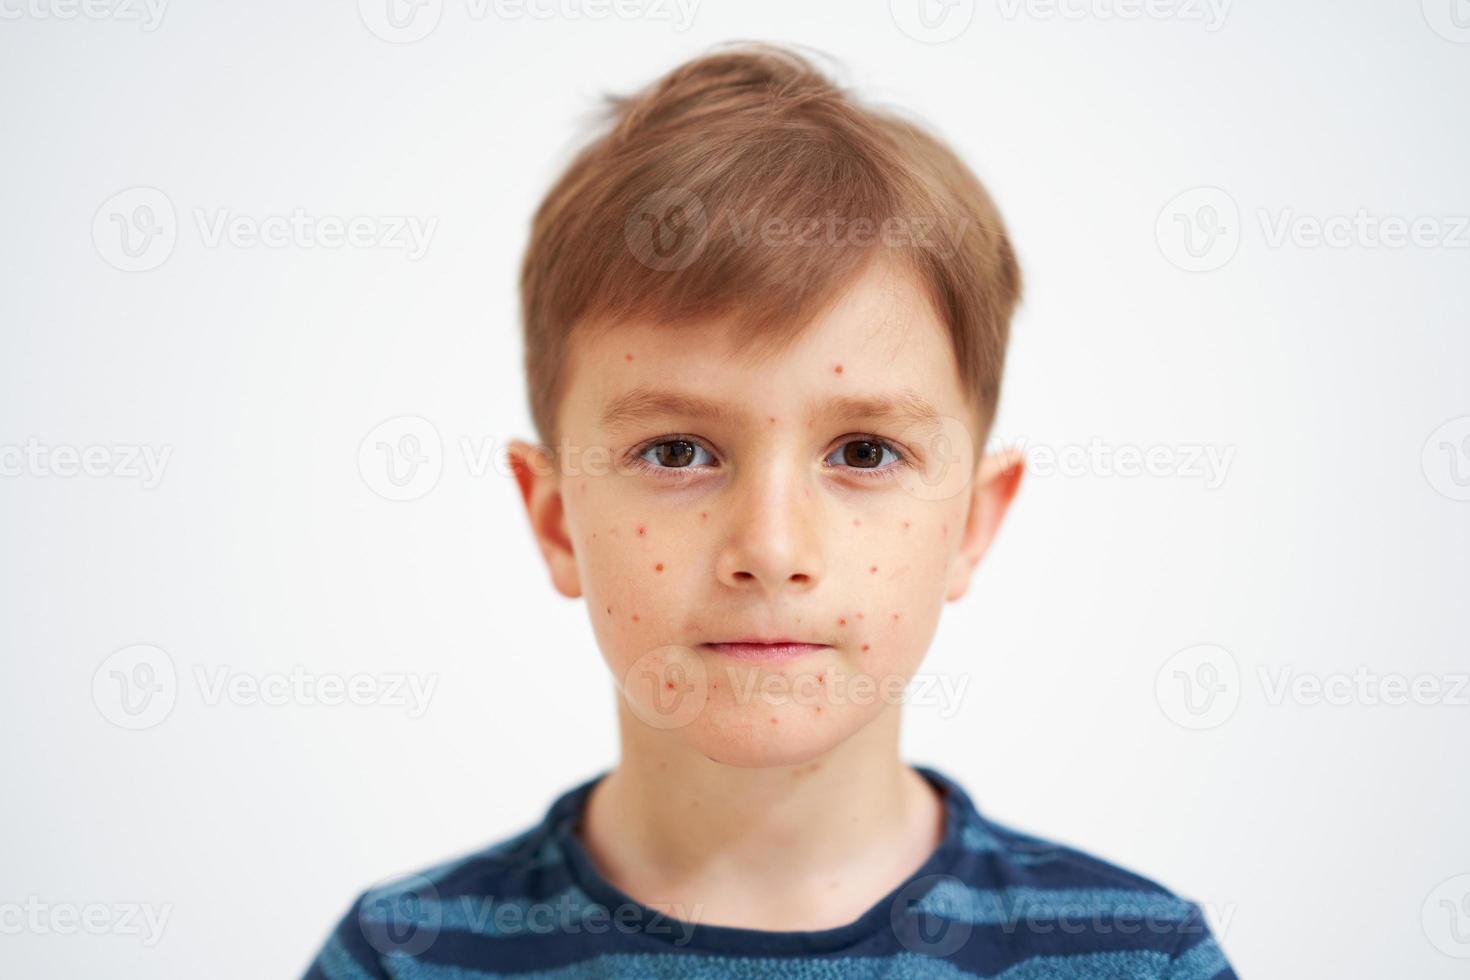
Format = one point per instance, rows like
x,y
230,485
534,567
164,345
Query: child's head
x,y
765,327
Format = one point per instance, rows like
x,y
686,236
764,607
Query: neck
x,y
668,817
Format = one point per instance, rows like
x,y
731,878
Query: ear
x,y
997,478
539,481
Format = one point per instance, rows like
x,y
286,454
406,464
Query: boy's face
x,y
787,515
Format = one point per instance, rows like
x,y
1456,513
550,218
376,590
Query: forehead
x,y
878,349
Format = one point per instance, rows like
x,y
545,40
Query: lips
x,y
761,648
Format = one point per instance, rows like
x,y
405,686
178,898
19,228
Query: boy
x,y
747,278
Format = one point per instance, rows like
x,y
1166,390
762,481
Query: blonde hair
x,y
742,139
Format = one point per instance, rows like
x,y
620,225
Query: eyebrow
x,y
645,402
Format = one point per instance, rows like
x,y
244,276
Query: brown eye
x,y
676,453
672,454
862,453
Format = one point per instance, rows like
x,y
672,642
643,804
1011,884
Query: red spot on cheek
x,y
856,522
635,617
842,621
872,569
659,567
837,369
627,357
865,647
775,722
642,531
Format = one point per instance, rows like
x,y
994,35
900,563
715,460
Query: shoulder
x,y
1059,901
402,916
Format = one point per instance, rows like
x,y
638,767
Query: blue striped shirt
x,y
989,902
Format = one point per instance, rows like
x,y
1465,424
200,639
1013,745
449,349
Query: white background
x,y
1324,838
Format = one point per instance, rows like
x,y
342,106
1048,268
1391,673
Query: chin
x,y
744,736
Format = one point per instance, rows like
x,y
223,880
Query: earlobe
x,y
541,492
997,480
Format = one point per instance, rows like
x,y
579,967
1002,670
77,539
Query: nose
x,y
773,542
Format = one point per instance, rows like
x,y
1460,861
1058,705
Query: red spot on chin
x,y
659,567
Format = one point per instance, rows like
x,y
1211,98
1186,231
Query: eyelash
x,y
682,472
